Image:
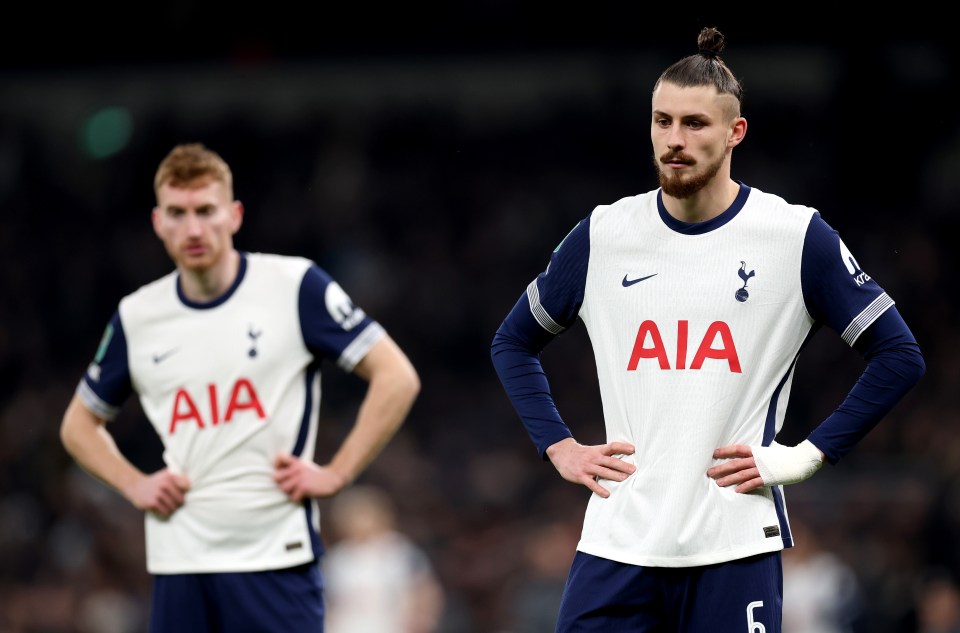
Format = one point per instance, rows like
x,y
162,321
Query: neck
x,y
209,283
704,205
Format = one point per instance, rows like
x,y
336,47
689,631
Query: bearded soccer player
x,y
224,355
698,297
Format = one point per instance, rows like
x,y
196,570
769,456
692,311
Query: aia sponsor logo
x,y
203,410
717,344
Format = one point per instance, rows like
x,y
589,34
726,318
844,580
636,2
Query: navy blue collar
x,y
699,228
222,298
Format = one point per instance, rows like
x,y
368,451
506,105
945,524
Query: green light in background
x,y
106,132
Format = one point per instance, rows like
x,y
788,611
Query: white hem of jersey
x,y
863,320
358,347
544,319
752,549
93,402
228,566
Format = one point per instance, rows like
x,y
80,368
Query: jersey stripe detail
x,y
544,319
358,348
785,534
307,413
865,318
95,404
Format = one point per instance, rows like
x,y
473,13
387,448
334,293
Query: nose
x,y
193,224
675,140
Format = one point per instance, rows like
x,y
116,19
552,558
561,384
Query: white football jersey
x,y
696,329
227,386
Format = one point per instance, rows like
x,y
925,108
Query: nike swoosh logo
x,y
629,282
157,358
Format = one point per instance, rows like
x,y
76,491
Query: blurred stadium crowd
x,y
434,190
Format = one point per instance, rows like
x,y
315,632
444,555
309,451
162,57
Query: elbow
x,y
402,393
919,369
66,438
913,366
407,382
69,435
76,426
413,384
904,365
68,428
495,344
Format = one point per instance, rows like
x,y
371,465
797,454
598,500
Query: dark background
x,y
430,157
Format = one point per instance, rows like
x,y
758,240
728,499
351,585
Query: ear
x,y
237,213
155,220
738,129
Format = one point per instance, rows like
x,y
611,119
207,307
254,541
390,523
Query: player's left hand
x,y
751,467
299,478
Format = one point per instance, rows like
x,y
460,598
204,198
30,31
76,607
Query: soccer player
x,y
698,297
224,355
378,580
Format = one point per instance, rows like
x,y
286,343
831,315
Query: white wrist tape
x,y
779,464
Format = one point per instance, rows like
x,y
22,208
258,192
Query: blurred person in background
x,y
938,605
821,592
376,579
224,354
698,297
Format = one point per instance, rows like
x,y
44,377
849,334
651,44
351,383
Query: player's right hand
x,y
160,493
588,465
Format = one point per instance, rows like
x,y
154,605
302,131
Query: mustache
x,y
676,157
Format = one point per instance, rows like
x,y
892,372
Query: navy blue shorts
x,y
281,600
741,596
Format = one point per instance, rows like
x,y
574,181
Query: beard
x,y
680,186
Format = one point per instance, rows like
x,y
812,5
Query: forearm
x,y
390,395
889,375
515,356
86,439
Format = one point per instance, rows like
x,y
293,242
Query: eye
x,y
661,121
696,125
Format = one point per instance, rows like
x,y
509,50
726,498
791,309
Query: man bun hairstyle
x,y
704,68
710,42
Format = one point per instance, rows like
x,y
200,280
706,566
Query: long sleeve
x,y
894,365
515,353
